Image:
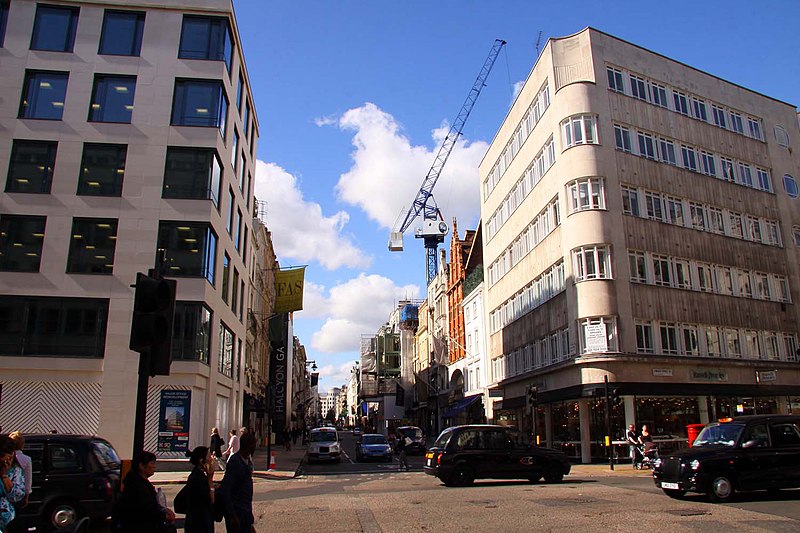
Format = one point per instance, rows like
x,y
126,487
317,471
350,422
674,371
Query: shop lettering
x,y
709,375
288,288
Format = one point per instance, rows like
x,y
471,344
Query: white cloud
x,y
314,303
517,88
300,230
339,375
387,170
358,306
326,121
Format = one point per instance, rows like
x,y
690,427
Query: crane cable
x,y
508,70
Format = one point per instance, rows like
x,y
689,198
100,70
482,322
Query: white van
x,y
323,445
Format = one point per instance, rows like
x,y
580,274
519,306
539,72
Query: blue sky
x,y
353,98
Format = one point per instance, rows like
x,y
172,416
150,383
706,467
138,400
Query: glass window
x,y
764,182
724,279
229,225
592,262
681,104
647,146
719,116
674,210
54,28
733,343
667,151
200,103
630,201
654,206
727,169
592,330
43,95
705,277
192,173
699,109
235,290
790,185
239,92
698,216
191,332
615,80
669,339
709,168
206,38
102,169
736,122
92,246
716,220
226,338
112,99
689,157
713,343
237,238
683,276
754,125
234,148
638,266
21,240
190,248
246,119
52,326
587,193
785,435
745,174
736,225
752,349
4,4
659,95
691,346
622,137
31,166
122,33
796,234
226,273
639,88
662,272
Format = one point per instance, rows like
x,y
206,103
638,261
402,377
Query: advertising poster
x,y
173,421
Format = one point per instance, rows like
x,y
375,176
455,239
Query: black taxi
x,y
462,454
757,452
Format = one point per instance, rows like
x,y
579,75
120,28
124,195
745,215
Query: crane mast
x,y
434,228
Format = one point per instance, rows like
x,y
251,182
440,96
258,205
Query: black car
x,y
760,452
416,444
462,454
73,476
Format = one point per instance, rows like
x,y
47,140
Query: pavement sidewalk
x,y
287,466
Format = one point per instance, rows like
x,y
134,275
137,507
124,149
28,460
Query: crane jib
x,y
425,194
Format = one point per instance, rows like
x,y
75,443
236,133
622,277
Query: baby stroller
x,y
647,456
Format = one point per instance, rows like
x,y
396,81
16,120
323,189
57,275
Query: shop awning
x,y
460,405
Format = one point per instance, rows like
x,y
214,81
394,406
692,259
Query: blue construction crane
x,y
434,228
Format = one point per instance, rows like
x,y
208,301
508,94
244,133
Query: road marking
x,y
348,457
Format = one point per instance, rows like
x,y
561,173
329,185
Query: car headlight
x,y
694,465
657,463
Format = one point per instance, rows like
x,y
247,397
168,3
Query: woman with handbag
x,y
196,498
139,509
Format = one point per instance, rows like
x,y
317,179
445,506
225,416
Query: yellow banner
x,y
289,290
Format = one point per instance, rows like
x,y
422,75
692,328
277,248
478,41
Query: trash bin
x,y
693,430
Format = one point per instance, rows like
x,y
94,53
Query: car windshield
x,y
323,436
373,439
106,455
444,436
412,433
719,434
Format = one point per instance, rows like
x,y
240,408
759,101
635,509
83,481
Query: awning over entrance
x,y
460,405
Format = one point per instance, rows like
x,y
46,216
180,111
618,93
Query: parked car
x,y
759,452
357,431
74,476
373,446
323,445
417,444
462,454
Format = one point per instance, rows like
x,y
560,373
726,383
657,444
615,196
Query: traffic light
x,y
151,326
532,395
616,399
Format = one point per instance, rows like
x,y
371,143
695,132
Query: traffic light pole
x,y
608,423
141,403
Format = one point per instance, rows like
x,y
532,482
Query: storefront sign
x,y
696,374
289,290
173,421
278,370
495,393
596,340
764,376
662,372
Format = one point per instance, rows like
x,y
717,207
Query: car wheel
x,y
553,474
462,476
676,494
62,514
721,489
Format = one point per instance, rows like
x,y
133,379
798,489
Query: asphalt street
x,y
376,498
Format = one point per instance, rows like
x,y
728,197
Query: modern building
x,y
127,129
641,225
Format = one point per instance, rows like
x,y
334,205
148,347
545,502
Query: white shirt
x,y
233,445
27,469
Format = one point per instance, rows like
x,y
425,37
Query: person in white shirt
x,y
233,445
25,462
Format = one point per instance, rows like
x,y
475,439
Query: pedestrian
x,y
401,444
139,508
26,464
645,437
12,481
633,442
233,445
236,488
216,448
199,497
295,435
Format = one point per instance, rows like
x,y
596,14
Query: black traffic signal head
x,y
151,326
616,398
533,395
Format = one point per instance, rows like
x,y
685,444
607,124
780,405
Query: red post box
x,y
693,430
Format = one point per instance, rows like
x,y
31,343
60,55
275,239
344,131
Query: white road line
x,y
348,457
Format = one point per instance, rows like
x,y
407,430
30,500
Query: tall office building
x,y
126,128
641,225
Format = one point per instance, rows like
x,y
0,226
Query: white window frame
x,y
579,129
637,262
709,164
654,206
790,186
659,94
681,103
639,88
719,116
699,110
673,208
644,337
666,149
615,80
662,270
611,331
646,145
689,157
622,138
631,195
737,124
690,340
668,335
592,262
713,339
586,194
755,129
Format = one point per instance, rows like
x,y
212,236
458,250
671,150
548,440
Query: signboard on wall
x,y
173,420
596,340
708,374
278,369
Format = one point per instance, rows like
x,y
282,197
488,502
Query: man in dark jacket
x,y
236,488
